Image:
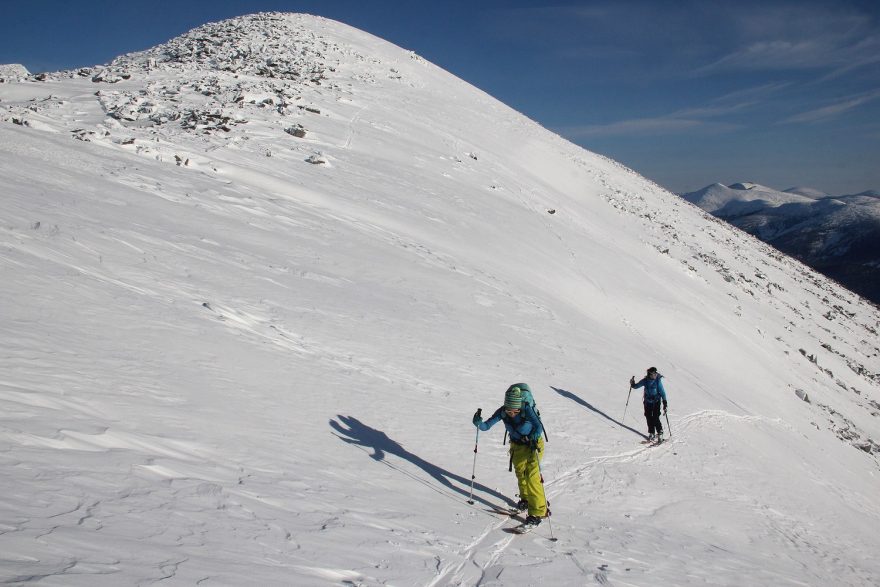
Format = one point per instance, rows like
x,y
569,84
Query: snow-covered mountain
x,y
836,235
256,280
741,198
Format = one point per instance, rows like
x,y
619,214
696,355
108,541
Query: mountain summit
x,y
257,280
264,60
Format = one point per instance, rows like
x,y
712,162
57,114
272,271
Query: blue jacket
x,y
654,391
523,428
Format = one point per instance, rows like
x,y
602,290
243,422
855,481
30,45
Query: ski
x,y
655,442
521,529
510,512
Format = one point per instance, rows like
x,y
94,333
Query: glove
x,y
664,406
632,382
477,417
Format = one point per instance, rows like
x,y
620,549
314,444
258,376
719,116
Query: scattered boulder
x,y
298,131
210,121
110,77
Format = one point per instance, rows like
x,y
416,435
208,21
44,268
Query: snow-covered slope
x,y
836,235
256,281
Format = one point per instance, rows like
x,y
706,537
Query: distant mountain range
x,y
838,236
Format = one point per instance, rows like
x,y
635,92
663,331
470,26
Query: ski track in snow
x,y
484,555
483,561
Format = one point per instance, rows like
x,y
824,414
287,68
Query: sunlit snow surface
x,y
256,281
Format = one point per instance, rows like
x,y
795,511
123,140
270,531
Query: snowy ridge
x,y
741,198
258,278
836,235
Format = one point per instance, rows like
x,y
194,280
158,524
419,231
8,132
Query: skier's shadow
x,y
592,408
353,431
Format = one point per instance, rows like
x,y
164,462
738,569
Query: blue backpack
x,y
528,398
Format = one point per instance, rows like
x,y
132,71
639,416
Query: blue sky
x,y
685,92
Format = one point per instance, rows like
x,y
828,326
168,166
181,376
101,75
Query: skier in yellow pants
x,y
526,450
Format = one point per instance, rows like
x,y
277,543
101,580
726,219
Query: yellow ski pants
x,y
526,465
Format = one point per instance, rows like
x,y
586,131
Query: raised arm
x,y
494,419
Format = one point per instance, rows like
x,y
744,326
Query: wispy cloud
x,y
641,126
762,91
776,54
700,118
791,57
663,125
869,58
733,102
796,36
623,39
833,110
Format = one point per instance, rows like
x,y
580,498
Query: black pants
x,y
652,415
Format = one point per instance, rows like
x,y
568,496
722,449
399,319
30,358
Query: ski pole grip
x,y
479,412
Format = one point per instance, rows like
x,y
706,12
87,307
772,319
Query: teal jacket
x,y
523,428
654,391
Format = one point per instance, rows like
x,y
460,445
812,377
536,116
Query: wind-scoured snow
x,y
257,280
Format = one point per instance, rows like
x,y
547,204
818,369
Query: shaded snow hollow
x,y
256,281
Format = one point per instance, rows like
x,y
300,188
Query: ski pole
x,y
546,501
474,470
668,427
627,398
